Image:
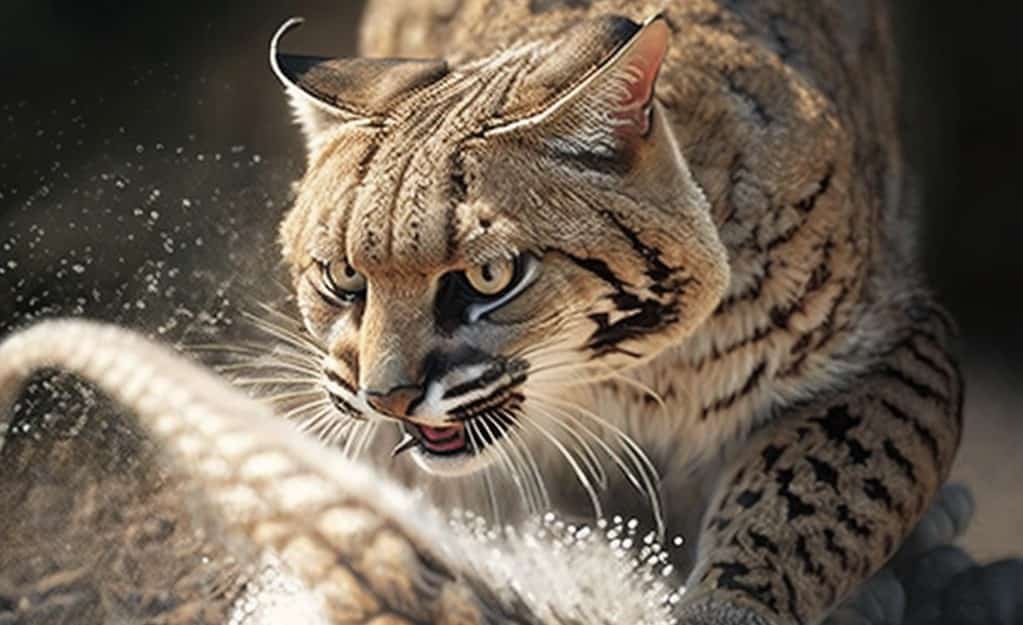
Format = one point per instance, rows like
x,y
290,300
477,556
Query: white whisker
x,y
352,436
589,455
529,461
321,402
648,481
270,381
279,399
505,457
337,429
285,335
584,480
275,365
495,510
367,439
318,422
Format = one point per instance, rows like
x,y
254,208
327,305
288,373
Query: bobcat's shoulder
x,y
697,216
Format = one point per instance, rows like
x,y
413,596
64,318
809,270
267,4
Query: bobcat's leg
x,y
825,495
885,599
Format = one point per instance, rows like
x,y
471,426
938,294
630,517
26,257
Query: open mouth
x,y
443,441
465,437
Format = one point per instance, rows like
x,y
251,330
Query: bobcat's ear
x,y
612,103
327,92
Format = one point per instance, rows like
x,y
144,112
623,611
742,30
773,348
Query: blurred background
x,y
146,155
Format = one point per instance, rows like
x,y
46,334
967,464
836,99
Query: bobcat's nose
x,y
397,402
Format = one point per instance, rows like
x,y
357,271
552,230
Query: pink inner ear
x,y
643,62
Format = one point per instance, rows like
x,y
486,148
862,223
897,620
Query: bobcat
x,y
671,237
677,229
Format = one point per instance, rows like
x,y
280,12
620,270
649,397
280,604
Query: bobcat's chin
x,y
450,465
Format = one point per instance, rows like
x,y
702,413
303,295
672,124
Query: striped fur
x,y
806,407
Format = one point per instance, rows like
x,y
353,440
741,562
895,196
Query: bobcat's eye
x,y
492,278
341,280
467,296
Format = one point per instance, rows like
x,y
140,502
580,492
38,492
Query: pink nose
x,y
396,402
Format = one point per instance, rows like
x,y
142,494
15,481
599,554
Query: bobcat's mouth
x,y
468,437
442,441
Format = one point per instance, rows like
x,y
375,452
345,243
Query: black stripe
x,y
900,461
762,541
921,430
500,395
337,379
720,523
648,316
747,388
930,363
759,334
656,270
809,565
752,292
345,408
824,472
837,425
805,206
835,549
845,517
797,507
921,389
595,266
875,490
749,498
808,203
793,603
756,106
728,578
771,454
489,376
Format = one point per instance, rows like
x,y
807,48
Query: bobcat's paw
x,y
946,520
710,612
975,595
881,601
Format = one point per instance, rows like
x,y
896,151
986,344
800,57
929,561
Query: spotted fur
x,y
744,258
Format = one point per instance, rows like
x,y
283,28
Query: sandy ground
x,y
991,459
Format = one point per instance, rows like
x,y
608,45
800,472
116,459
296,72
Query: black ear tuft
x,y
365,87
325,90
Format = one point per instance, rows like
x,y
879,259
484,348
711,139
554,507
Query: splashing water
x,y
560,572
563,572
169,229
274,597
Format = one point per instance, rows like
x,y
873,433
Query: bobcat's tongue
x,y
445,439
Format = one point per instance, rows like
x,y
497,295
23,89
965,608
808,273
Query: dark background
x,y
145,157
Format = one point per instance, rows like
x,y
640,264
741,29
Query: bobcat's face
x,y
469,239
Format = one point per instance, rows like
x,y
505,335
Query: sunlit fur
x,y
542,150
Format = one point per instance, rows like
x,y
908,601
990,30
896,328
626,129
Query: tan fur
x,y
771,189
793,390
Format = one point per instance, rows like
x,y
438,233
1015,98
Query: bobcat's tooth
x,y
407,442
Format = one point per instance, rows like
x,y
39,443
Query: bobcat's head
x,y
470,238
